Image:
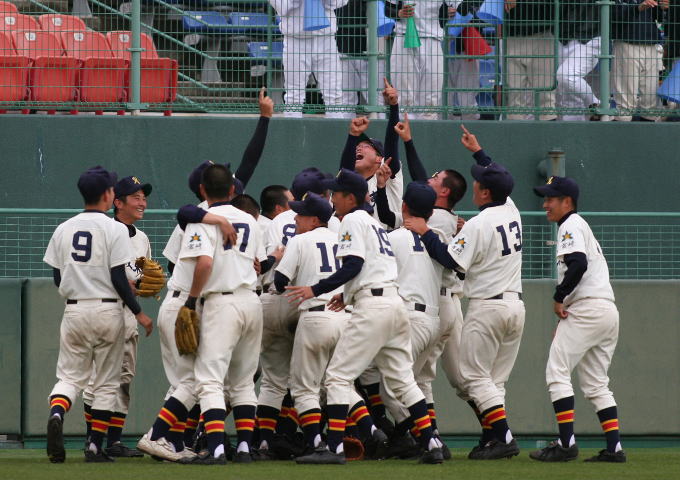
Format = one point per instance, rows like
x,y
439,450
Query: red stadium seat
x,y
158,76
102,76
58,23
13,71
8,8
53,75
11,22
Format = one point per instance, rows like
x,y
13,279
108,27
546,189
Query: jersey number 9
x,y
82,244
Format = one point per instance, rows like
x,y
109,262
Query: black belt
x,y
104,300
318,308
377,292
220,293
442,291
500,296
419,307
176,293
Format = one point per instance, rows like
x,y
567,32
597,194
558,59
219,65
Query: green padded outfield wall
x,y
10,355
645,374
620,167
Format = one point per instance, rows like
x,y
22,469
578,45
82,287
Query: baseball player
x,y
378,329
88,254
280,317
587,331
488,250
231,323
129,205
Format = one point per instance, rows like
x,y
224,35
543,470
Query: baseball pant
x,y
317,54
576,61
231,334
464,73
635,78
492,332
278,335
418,74
378,331
91,333
585,340
355,79
179,369
424,335
450,313
527,74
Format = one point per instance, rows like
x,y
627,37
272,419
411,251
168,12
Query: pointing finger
x,y
387,83
465,130
263,91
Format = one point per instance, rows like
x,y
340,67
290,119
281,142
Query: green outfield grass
x,y
643,463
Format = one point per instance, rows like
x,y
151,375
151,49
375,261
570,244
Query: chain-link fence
x,y
507,59
636,245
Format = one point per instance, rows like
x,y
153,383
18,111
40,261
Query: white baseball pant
x,y
635,78
355,79
464,73
451,314
576,61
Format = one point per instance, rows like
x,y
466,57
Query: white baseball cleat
x,y
187,453
160,448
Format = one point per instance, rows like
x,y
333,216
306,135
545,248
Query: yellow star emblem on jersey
x,y
136,180
567,236
346,237
195,238
460,242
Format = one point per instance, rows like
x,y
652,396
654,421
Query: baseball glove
x,y
354,449
187,328
153,277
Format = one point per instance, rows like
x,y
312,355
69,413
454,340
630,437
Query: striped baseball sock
x,y
59,405
564,413
287,424
192,424
374,399
310,421
362,419
173,410
433,416
87,412
422,421
402,427
244,418
337,417
487,433
266,423
495,417
100,424
351,429
214,430
115,428
610,426
176,434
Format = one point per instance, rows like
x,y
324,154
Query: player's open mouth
x,y
359,157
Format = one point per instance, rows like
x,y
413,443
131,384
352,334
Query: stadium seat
x,y
250,22
101,76
52,75
59,23
260,52
158,76
487,80
13,72
209,24
17,21
8,8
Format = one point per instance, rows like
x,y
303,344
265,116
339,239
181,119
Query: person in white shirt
x,y
587,331
88,254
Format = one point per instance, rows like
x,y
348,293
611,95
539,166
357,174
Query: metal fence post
x,y
135,104
605,56
372,47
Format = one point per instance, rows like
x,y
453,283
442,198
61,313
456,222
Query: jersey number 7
x,y
243,239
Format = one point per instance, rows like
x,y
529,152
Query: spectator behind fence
x,y
580,40
309,52
352,45
418,73
528,33
672,31
637,56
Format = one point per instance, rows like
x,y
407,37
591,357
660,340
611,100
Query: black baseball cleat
x,y
120,450
205,458
385,424
55,440
403,446
243,457
607,456
99,457
475,449
432,457
377,446
495,450
322,456
263,455
286,448
555,452
446,453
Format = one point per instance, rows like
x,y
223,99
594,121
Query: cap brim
x,y
476,171
147,188
547,191
331,184
297,206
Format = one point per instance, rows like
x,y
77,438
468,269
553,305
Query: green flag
x,y
411,38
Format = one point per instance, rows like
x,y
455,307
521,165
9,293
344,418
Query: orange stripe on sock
x,y
245,424
423,422
201,419
62,402
310,419
415,432
431,413
375,400
358,414
192,423
350,423
565,417
609,425
336,425
167,416
214,426
293,415
495,415
266,423
88,417
283,412
179,427
117,422
99,426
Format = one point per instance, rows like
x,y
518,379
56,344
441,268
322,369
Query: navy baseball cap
x,y
373,142
419,197
129,185
347,181
558,187
495,177
95,181
313,205
196,173
309,180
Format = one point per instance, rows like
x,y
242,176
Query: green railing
x,y
637,245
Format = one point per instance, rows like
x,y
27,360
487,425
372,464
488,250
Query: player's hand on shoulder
x,y
390,94
278,253
299,294
459,224
266,104
358,126
416,224
383,173
469,141
560,311
403,129
145,321
336,303
228,232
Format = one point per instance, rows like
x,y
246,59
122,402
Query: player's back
x,y
446,222
420,277
84,249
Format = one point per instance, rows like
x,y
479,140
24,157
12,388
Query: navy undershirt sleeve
x,y
415,166
438,250
482,158
280,281
56,276
385,215
577,264
171,267
351,266
253,152
267,265
348,158
189,214
120,283
392,140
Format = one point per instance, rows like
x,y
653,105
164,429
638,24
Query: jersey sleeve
x,y
52,257
462,247
260,250
291,259
197,241
121,251
570,239
395,192
351,238
174,245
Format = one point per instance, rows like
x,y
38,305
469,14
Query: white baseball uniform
x,y
231,321
577,59
488,249
586,339
394,190
84,249
378,329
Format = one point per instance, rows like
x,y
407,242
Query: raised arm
x,y
391,97
470,142
415,166
253,152
357,126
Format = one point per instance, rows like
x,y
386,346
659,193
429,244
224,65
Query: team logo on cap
x,y
136,180
550,180
346,237
304,197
